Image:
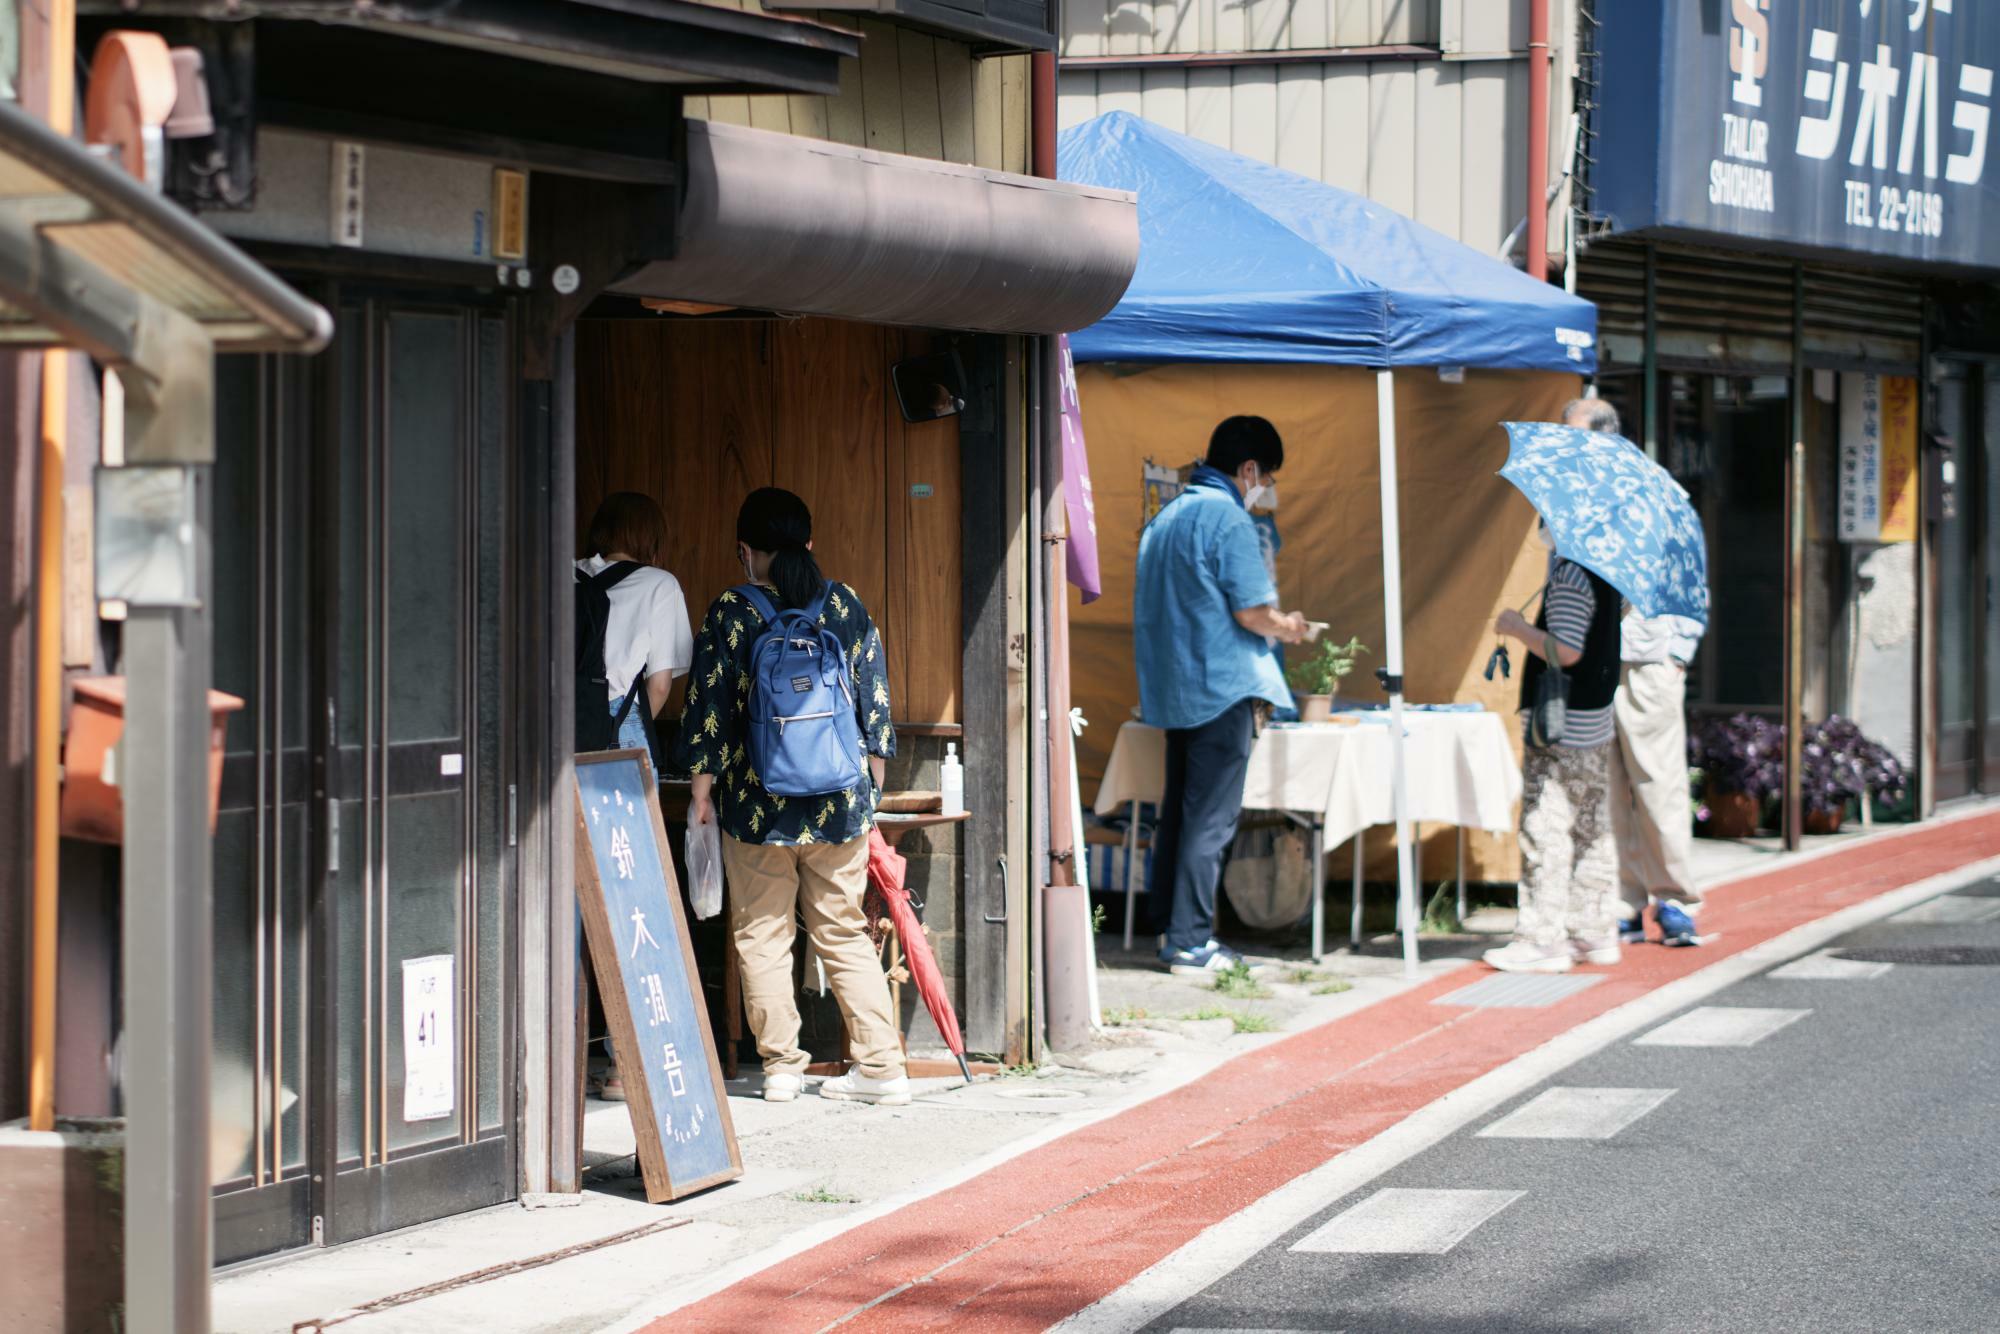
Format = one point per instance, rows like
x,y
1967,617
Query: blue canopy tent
x,y
1240,261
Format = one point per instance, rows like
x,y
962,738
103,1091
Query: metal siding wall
x,y
1158,27
1435,139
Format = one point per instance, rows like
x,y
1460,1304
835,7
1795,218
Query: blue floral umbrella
x,y
1614,511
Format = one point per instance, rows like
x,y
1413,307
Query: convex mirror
x,y
928,388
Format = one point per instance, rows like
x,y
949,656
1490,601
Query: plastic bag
x,y
704,859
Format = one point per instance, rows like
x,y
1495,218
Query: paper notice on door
x,y
429,1038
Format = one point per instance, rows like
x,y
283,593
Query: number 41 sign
x,y
645,969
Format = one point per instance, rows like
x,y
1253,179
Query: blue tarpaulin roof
x,y
1242,261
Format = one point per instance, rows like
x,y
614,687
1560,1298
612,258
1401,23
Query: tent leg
x,y
1319,889
1354,926
1391,673
1461,877
1131,871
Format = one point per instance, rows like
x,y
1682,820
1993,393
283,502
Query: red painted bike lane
x,y
1041,1236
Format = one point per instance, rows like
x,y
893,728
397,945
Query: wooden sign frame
x,y
608,961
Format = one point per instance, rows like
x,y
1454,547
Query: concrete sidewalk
x,y
816,1170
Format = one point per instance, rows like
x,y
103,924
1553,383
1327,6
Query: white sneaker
x,y
782,1087
1525,957
1603,952
857,1087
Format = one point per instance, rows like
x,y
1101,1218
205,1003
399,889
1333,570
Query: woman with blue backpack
x,y
786,732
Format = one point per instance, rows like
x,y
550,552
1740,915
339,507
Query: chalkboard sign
x,y
644,961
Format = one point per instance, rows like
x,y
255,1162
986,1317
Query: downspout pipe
x,y
1538,139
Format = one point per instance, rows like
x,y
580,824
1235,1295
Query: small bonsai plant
x,y
1320,672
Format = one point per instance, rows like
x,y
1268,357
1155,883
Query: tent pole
x,y
1391,673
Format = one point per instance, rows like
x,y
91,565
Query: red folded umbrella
x,y
886,868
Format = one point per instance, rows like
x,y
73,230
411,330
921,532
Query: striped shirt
x,y
1572,603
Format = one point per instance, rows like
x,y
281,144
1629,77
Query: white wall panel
x,y
1344,134
1300,92
1441,132
1392,134
1208,105
1253,112
1118,90
1165,97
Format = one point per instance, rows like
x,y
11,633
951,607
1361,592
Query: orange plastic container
x,y
93,806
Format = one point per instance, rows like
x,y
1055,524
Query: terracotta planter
x,y
1315,708
1825,822
1730,815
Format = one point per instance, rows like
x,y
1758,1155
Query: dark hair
x,y
1241,439
776,521
631,522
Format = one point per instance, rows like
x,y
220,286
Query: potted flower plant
x,y
1839,764
1316,678
1738,765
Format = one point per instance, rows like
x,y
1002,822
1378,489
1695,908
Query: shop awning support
x,y
93,260
1391,673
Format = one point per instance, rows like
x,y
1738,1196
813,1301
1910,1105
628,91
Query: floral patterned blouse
x,y
718,702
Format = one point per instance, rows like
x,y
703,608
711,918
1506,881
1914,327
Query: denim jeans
x,y
1198,814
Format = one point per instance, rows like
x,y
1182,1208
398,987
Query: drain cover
x,y
1914,954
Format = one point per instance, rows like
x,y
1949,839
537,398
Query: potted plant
x,y
1316,678
1840,764
1737,766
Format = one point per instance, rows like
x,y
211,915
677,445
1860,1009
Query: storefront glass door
x,y
1967,554
364,863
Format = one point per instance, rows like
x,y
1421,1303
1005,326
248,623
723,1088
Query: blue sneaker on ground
x,y
1676,924
1214,957
1632,930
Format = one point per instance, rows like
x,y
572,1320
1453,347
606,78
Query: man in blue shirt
x,y
1204,613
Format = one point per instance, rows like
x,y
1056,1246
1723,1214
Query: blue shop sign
x,y
1855,125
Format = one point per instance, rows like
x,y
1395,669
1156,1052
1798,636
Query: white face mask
x,y
1263,496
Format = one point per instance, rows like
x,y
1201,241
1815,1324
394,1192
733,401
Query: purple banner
x,y
1082,506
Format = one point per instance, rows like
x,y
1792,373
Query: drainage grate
x,y
1520,991
1916,954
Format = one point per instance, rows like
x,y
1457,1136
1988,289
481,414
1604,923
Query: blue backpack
x,y
805,740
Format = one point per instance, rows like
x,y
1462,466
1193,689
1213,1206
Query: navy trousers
x,y
1204,797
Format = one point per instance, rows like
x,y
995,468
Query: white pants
x,y
1649,785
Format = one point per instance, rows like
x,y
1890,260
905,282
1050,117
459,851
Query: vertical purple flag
x,y
1082,506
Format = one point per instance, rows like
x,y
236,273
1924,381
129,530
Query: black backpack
x,y
596,727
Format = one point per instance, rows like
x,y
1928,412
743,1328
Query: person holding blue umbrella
x,y
1619,529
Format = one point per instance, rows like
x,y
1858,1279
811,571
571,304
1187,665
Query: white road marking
x,y
1407,1222
1949,911
1228,1244
1720,1026
1576,1113
1823,966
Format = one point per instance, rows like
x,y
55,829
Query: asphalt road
x,y
1842,1172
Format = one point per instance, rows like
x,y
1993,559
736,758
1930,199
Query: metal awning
x,y
85,248
777,222
679,42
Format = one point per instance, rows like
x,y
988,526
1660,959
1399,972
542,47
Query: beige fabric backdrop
x,y
1466,547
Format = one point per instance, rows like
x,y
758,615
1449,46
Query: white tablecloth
x,y
1461,772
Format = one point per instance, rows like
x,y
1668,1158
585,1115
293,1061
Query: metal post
x,y
1461,876
1649,360
168,896
1354,925
1131,870
1795,573
1319,888
1392,596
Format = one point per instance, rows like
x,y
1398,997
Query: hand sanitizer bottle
x,y
951,780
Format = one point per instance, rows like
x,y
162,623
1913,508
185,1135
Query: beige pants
x,y
768,885
1649,785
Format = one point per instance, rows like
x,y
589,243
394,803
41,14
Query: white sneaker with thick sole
x,y
1525,957
782,1088
857,1087
1603,952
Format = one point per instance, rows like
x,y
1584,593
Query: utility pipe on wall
x,y
1538,138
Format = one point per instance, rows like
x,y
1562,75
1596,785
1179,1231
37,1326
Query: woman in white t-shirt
x,y
647,633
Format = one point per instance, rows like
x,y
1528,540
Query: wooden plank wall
x,y
699,413
908,93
